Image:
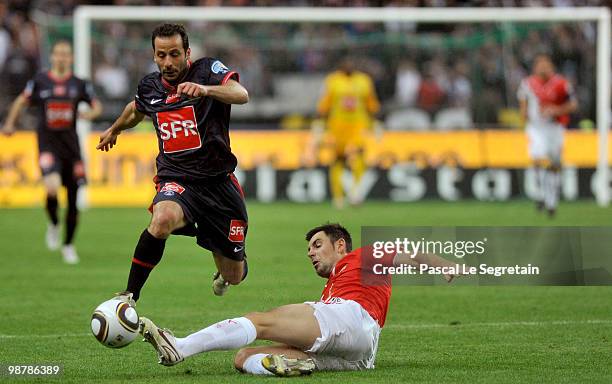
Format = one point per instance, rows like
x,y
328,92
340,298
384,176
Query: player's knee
x,y
241,357
163,223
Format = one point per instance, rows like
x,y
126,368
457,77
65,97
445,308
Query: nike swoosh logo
x,y
238,249
155,101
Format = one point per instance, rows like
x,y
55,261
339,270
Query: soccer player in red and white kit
x,y
197,193
546,101
338,332
56,95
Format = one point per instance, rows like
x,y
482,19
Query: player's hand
x,y
8,129
87,115
108,139
192,90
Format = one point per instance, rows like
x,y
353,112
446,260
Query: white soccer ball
x,y
114,323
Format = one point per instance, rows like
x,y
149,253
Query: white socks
x,y
222,336
253,365
551,189
540,174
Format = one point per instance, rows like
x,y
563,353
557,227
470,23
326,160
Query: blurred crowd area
x,y
428,76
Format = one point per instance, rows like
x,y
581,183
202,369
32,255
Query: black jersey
x,y
56,101
192,133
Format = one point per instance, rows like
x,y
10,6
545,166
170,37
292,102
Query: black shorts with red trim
x,y
72,171
215,213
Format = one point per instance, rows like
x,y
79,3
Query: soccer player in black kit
x,y
197,193
56,95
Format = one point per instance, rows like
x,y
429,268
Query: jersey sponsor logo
x,y
155,101
219,67
236,231
178,130
60,114
169,189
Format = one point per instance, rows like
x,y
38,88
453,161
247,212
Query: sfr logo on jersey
x,y
236,231
178,130
60,114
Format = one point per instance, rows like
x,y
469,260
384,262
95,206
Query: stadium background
x,y
448,93
459,333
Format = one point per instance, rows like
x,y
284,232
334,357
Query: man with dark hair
x,y
339,332
546,102
197,193
56,95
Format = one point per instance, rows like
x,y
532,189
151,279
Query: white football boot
x,y
69,254
163,341
52,237
126,296
280,365
219,285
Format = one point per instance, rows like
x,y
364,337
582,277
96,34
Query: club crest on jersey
x,y
178,130
236,231
172,98
169,189
59,90
219,67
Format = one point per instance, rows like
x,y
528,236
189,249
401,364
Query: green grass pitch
x,y
500,334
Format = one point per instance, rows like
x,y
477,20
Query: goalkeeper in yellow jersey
x,y
346,110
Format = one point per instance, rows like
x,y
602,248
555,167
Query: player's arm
x,y
232,92
428,259
94,111
16,107
128,119
570,106
523,109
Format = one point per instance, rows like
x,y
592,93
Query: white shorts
x,y
349,336
545,141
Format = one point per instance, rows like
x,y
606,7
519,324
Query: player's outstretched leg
x,y
293,325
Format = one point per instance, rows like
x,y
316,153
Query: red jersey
x,y
541,93
352,279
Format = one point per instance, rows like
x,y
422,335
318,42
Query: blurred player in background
x,y
546,101
56,95
347,107
197,193
339,332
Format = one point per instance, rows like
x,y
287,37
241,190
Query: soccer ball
x,y
114,323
